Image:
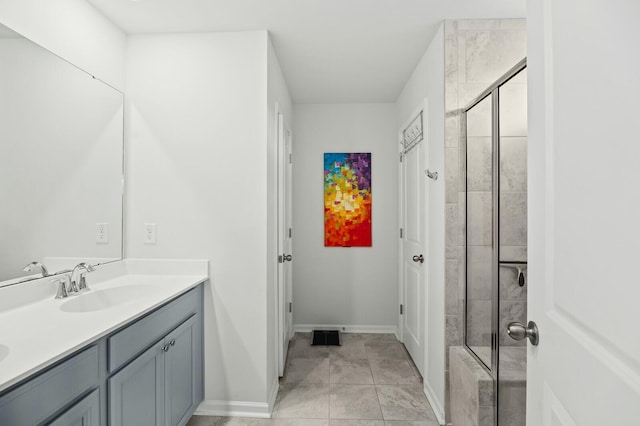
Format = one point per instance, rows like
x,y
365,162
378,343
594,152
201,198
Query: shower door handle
x,y
517,331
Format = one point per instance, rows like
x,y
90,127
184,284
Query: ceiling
x,y
330,51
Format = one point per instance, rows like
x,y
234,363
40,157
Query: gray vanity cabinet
x,y
149,372
86,412
163,385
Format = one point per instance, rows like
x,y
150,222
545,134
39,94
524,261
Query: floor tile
x,y
306,401
392,372
307,370
404,402
202,421
243,421
388,350
409,423
300,422
350,371
303,349
335,422
350,349
354,402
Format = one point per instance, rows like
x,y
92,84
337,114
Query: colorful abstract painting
x,y
347,200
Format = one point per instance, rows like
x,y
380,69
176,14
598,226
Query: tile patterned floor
x,y
368,381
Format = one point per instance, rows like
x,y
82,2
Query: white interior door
x,y
584,212
285,246
414,256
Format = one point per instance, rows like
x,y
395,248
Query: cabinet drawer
x,y
133,340
43,396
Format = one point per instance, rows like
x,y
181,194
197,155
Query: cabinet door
x,y
137,392
183,372
84,413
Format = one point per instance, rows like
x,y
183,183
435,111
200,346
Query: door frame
x,y
422,108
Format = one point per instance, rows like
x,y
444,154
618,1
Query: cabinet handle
x,y
166,348
172,342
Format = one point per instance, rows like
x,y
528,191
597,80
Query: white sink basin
x,y
97,300
4,351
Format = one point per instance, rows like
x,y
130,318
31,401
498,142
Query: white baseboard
x,y
210,407
435,403
305,328
273,395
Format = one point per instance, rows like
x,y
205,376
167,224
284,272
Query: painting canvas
x,y
347,199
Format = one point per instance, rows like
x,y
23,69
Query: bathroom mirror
x,y
61,163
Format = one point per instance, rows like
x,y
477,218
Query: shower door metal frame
x,y
494,91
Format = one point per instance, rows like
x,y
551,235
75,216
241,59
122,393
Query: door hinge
x,y
290,159
289,232
401,233
290,307
401,310
280,259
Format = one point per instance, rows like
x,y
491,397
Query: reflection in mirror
x,y
61,162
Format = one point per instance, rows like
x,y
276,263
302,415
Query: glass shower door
x,y
512,277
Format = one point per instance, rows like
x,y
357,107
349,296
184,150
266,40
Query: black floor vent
x,y
326,337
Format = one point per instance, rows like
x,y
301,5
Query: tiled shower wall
x,y
477,52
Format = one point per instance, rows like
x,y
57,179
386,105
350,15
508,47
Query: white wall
x,y
427,81
72,29
197,162
355,287
277,92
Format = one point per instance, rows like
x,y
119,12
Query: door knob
x,y
418,259
288,257
517,331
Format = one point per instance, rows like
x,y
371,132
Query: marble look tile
x,y
513,253
486,416
512,311
478,24
404,402
351,371
479,278
452,130
386,350
451,231
513,108
303,349
489,54
513,164
202,421
479,120
307,370
310,401
409,423
243,421
393,372
509,287
479,219
335,422
451,287
300,422
513,218
453,332
354,402
479,323
513,24
512,403
351,348
479,164
451,173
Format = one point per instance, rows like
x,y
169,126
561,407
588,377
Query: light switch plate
x,y
149,233
102,233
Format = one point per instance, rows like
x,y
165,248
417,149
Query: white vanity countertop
x,y
37,333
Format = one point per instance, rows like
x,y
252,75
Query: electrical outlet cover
x,y
102,233
149,233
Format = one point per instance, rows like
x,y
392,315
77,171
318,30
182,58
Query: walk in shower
x,y
495,124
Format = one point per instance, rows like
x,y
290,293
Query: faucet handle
x,y
62,287
82,282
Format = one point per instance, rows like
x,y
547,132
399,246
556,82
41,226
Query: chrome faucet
x,y
38,265
80,283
